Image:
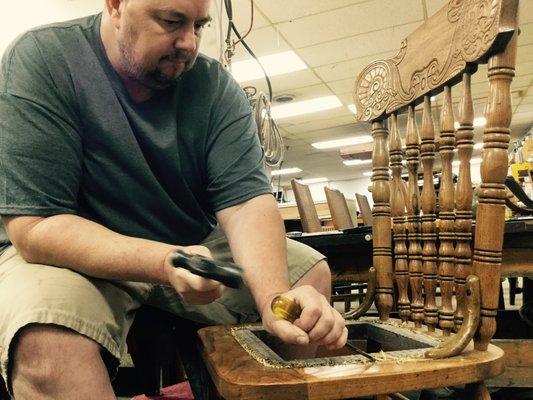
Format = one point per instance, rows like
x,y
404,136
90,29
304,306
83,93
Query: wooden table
x,y
353,248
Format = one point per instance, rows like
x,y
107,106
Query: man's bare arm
x,y
71,241
256,236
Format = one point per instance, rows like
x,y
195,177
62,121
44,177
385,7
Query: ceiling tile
x,y
525,8
282,10
525,53
349,21
288,83
357,46
434,5
322,124
526,34
316,116
343,86
348,69
264,41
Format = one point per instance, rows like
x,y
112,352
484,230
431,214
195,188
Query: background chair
x,y
339,209
306,207
364,209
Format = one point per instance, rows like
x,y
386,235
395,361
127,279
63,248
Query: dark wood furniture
x,y
445,50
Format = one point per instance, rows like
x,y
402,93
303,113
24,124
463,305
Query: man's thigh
x,y
236,305
41,294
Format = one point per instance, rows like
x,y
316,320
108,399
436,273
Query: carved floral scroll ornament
x,y
473,28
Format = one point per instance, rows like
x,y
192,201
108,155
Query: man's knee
x,y
44,355
319,276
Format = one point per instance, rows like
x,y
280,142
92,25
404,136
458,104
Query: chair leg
x,y
476,391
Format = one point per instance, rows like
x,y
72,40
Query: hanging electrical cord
x,y
230,45
269,134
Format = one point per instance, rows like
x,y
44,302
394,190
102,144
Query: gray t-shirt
x,y
72,140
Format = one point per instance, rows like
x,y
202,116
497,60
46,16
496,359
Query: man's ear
x,y
114,10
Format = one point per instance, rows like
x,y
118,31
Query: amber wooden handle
x,y
285,308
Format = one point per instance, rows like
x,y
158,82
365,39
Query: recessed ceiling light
x,y
356,162
312,180
330,144
367,173
274,64
285,171
284,98
305,107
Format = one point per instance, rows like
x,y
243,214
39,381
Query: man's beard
x,y
152,77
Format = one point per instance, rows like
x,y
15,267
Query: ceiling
x,y
335,38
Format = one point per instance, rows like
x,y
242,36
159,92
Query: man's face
x,y
158,40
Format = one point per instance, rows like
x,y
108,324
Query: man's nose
x,y
187,40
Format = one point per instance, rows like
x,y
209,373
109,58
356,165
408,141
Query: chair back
x,y
306,207
338,208
445,51
364,209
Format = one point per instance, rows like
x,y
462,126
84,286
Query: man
x,y
120,144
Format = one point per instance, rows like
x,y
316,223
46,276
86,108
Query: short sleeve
x,y
40,145
235,159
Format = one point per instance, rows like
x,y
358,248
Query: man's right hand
x,y
193,288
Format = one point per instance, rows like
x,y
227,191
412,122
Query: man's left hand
x,y
318,323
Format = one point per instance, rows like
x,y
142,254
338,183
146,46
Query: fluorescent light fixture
x,y
285,171
352,108
356,162
478,123
367,173
305,107
274,64
473,161
312,180
330,144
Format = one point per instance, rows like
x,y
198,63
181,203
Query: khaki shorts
x,y
103,310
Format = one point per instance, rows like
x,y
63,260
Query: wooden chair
x,y
306,207
428,346
364,209
339,209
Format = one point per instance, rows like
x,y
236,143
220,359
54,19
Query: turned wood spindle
x,y
412,142
401,268
428,199
381,227
446,214
463,200
490,218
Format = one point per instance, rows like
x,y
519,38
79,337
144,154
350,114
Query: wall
x,y
19,16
